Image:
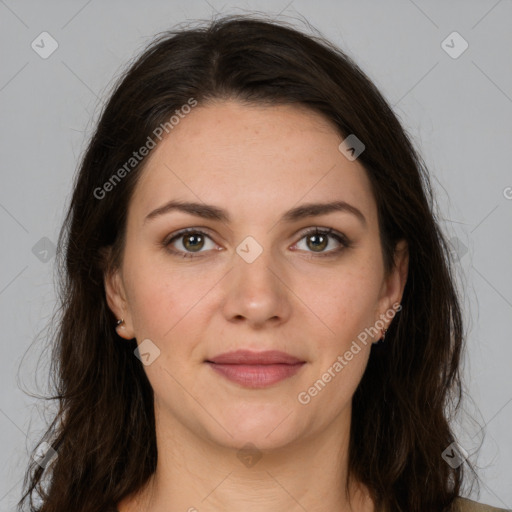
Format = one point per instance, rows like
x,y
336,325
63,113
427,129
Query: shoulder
x,y
467,505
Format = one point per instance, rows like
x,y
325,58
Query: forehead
x,y
255,158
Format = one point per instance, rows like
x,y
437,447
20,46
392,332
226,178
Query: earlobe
x,y
394,284
395,281
116,300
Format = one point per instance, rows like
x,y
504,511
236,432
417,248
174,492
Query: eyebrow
x,y
211,212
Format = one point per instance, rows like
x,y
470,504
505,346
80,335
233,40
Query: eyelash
x,y
339,237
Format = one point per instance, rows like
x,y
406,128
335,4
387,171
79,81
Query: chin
x,y
266,427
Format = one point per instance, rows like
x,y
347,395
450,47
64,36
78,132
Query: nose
x,y
257,292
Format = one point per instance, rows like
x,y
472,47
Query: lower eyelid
x,y
179,236
338,237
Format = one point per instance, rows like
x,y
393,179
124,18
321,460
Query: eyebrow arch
x,y
211,212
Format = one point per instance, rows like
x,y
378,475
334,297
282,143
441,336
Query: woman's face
x,y
258,279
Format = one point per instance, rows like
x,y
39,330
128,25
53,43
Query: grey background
x,y
457,110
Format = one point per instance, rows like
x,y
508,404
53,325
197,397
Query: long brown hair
x,y
104,431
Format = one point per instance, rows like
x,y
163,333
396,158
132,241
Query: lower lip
x,y
256,375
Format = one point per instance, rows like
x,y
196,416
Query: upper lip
x,y
250,357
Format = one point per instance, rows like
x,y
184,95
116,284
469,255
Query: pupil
x,y
318,244
195,239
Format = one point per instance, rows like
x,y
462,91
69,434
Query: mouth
x,y
255,369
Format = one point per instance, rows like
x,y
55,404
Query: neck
x,y
195,474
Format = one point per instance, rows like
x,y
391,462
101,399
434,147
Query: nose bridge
x,y
255,264
256,289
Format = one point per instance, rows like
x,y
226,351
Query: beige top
x,y
466,505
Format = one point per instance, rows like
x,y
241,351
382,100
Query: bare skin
x,y
256,163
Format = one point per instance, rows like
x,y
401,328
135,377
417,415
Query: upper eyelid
x,y
328,231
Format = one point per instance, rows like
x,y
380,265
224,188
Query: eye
x,y
317,239
192,240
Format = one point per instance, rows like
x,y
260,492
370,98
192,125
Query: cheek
x,y
171,304
345,310
160,297
346,299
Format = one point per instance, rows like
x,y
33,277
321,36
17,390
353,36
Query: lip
x,y
255,369
250,357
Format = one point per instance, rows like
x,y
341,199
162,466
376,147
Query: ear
x,y
393,286
117,302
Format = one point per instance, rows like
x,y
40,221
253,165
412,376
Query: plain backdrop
x,y
454,101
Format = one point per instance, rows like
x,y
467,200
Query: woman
x,y
258,311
